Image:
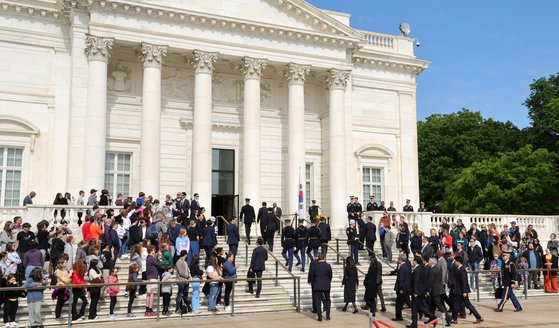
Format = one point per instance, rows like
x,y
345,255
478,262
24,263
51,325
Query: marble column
x,y
98,51
337,81
251,159
203,63
150,143
296,75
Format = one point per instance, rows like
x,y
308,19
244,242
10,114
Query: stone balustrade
x,y
35,213
379,40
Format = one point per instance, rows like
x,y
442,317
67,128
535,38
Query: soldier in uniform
x,y
509,278
408,207
248,214
301,243
287,242
357,207
313,210
350,209
313,241
352,241
372,204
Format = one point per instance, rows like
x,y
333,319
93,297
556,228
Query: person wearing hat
x,y
408,207
515,230
288,242
247,216
372,205
313,240
313,210
92,199
301,244
509,279
353,241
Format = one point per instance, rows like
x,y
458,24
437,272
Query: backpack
x,y
185,306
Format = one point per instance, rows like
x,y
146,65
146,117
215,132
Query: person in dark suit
x,y
233,236
325,235
271,228
350,282
402,285
195,206
419,289
370,283
276,210
247,217
370,234
301,244
134,233
426,248
287,243
437,290
320,278
258,263
462,289
262,220
313,241
210,239
182,209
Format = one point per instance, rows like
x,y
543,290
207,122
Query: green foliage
x,y
449,143
516,182
543,110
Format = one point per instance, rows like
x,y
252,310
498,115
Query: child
x,y
113,292
35,297
166,258
388,242
131,289
166,289
495,269
524,274
11,301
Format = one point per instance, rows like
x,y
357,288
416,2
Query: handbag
x,y
58,290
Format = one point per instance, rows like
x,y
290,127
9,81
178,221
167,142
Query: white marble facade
x,y
168,80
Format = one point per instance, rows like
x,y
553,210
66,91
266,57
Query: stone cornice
x,y
252,67
415,66
328,30
32,8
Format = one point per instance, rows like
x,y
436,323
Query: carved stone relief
x,y
177,83
119,77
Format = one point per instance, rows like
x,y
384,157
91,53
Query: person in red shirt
x,y
96,231
78,278
86,229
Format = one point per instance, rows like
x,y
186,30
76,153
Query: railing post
x,y
70,300
158,302
277,270
294,293
337,251
298,294
477,283
525,286
233,299
246,255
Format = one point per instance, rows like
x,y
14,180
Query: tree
x,y
449,143
543,110
517,182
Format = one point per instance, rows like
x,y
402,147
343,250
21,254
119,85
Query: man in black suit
x,y
320,278
258,263
455,303
437,290
426,248
462,289
233,236
370,234
402,286
325,235
276,210
134,234
419,289
183,206
261,218
247,216
272,226
195,206
288,242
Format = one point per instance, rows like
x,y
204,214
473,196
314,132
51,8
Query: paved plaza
x,y
538,312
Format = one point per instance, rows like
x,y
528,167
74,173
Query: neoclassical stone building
x,y
218,97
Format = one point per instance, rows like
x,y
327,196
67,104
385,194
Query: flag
x,y
301,208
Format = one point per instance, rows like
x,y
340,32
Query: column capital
x,y
296,74
152,55
252,67
203,61
98,48
337,79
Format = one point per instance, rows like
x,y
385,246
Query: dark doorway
x,y
226,206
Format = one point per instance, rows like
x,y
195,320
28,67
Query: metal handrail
x,y
368,250
338,254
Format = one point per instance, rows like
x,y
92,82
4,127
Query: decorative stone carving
x,y
202,61
252,67
224,90
296,74
337,79
265,93
98,48
177,83
119,78
152,55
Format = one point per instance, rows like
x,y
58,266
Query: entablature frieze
x,y
395,63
